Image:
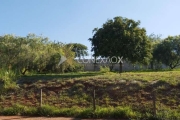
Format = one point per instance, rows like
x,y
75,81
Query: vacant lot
x,y
139,90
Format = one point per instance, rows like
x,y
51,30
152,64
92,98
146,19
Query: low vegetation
x,y
125,95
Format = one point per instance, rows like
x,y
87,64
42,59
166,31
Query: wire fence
x,y
140,100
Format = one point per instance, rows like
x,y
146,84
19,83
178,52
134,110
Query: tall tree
x,y
168,51
121,37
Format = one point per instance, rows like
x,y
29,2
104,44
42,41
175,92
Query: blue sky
x,y
73,20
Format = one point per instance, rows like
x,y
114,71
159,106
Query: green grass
x,y
70,94
46,110
123,112
65,76
171,76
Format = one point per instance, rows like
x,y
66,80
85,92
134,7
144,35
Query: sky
x,y
72,21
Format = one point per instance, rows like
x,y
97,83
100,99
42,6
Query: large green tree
x,y
121,37
168,51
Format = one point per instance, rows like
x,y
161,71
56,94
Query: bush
x,y
9,111
14,110
104,69
86,113
8,79
47,110
115,112
30,111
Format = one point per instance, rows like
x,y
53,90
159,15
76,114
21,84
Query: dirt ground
x,y
45,118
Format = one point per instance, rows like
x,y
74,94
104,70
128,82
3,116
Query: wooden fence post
x,y
154,103
41,98
94,99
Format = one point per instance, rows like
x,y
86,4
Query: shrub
x,y
115,112
47,110
30,111
86,113
104,69
14,110
8,79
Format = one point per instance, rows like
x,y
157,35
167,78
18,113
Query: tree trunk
x,y
23,72
152,65
95,63
111,67
120,67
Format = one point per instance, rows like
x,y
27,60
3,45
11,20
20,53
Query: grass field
x,y
130,93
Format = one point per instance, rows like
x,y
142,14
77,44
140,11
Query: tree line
x,y
120,37
124,37
37,54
